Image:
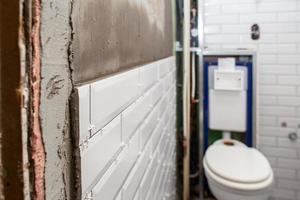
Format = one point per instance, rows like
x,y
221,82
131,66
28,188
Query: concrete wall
x,y
227,25
90,39
55,90
127,134
113,35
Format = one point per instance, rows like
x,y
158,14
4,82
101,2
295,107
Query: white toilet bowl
x,y
237,172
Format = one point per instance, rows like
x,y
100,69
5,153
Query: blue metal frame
x,y
249,132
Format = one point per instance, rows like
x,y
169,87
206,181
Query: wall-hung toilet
x,y
233,170
237,172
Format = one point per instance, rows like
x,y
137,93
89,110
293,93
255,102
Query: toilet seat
x,y
238,167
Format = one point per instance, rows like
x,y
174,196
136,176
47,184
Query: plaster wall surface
x,y
228,25
55,90
112,35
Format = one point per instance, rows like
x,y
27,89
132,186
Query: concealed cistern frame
x,y
225,53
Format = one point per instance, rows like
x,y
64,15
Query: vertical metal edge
x,y
200,87
255,119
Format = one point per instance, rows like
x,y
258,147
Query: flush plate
x,y
229,80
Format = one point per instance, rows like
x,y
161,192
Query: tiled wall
x,y
127,134
227,25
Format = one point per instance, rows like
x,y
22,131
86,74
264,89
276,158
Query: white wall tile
x,y
110,96
99,152
148,76
134,115
108,189
84,112
133,127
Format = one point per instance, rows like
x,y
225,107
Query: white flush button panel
x,y
228,96
229,80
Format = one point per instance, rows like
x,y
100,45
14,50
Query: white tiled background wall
x,y
127,134
227,25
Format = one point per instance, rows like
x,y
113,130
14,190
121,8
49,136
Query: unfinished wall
x,y
108,36
55,90
113,35
127,134
227,25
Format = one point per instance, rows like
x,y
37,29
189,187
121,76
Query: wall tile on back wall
x,y
278,65
239,8
289,101
289,59
277,6
267,79
257,18
278,111
277,90
289,17
267,121
217,19
278,69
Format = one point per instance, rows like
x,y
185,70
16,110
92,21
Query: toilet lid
x,y
238,164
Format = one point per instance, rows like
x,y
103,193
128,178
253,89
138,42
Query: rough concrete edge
x,y
74,116
74,110
38,150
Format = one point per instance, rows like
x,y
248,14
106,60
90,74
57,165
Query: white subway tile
x,y
157,93
100,151
148,76
148,126
258,17
110,96
289,38
212,10
111,185
279,28
289,101
236,28
289,163
274,131
279,152
268,141
212,29
287,143
289,184
277,90
289,17
283,194
267,79
285,173
267,121
267,100
277,6
278,111
278,69
133,181
288,59
268,59
239,8
291,122
286,48
221,19
134,115
267,48
84,112
265,39
222,39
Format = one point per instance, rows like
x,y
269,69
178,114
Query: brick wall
x,y
227,25
127,134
